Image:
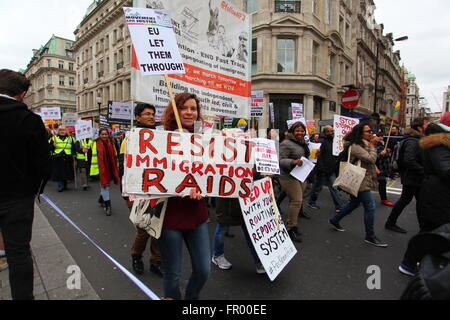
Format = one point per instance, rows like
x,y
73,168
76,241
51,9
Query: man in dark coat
x,y
24,169
411,171
325,170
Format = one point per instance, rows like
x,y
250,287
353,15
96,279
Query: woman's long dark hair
x,y
356,135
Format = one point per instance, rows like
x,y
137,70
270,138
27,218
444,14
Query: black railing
x,y
100,74
288,6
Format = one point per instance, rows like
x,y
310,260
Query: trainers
x,y
221,262
375,241
406,270
395,228
156,268
3,264
336,226
260,269
138,265
313,206
387,203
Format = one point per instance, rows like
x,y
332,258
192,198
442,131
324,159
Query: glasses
x,y
148,114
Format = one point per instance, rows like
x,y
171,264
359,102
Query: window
x,y
288,6
328,12
315,7
254,55
49,63
332,106
114,36
251,6
71,96
61,64
61,80
62,95
347,34
50,94
341,26
70,66
71,81
330,71
315,58
49,79
285,55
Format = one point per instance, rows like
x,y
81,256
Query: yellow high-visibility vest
x,y
63,145
85,143
94,170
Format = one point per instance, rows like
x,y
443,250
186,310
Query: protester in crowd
x,y
411,172
145,118
63,158
394,141
374,123
363,148
325,170
315,137
82,148
185,218
24,170
103,161
291,150
3,262
383,170
433,209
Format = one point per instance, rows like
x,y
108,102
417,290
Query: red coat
x,y
108,169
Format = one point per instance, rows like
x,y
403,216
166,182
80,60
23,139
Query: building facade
x,y
102,51
446,101
413,104
52,73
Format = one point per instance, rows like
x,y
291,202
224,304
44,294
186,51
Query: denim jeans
x,y
317,187
369,204
16,220
170,244
218,246
104,191
62,184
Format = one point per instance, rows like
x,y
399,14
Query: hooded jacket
x,y
25,158
411,171
434,205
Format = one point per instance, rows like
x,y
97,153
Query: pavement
x,y
52,267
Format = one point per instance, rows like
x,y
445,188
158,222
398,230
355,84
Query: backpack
x,y
397,155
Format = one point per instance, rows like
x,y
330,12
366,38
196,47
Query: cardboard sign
x,y
273,245
214,39
83,130
154,41
297,111
173,163
342,126
53,113
257,107
266,156
70,119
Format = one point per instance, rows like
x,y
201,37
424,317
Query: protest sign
x,y
70,119
266,156
162,162
257,109
208,123
154,41
272,244
311,126
302,172
314,148
83,130
103,121
297,111
53,113
216,57
342,126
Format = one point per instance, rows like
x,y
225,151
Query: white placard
x,y
53,113
154,41
83,130
120,110
70,119
272,244
266,156
342,126
257,108
314,148
297,111
301,173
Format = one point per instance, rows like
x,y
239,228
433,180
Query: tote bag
x,y
350,176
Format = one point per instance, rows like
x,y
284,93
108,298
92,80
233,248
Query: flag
x,y
396,111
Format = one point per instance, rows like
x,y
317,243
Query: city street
x,y
328,265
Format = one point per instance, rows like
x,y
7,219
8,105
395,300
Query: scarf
x,y
107,163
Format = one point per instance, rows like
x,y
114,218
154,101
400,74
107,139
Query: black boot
x,y
296,231
108,207
138,265
303,214
101,201
294,237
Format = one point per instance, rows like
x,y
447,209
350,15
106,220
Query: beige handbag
x,y
350,176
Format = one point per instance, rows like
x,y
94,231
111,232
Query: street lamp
x,y
99,102
376,71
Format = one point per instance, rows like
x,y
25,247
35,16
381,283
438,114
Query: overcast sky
x,y
28,24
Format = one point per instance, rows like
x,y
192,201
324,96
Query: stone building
x,y
52,75
102,51
446,102
413,106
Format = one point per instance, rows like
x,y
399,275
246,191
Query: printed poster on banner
x,y
214,40
70,119
266,156
53,113
342,126
297,111
257,107
154,41
84,130
273,245
173,163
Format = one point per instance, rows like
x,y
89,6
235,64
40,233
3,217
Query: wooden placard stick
x,y
172,99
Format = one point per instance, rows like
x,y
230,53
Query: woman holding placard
x,y
292,149
363,149
185,218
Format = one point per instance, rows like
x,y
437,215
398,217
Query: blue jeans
x,y
369,210
219,242
104,191
170,245
317,187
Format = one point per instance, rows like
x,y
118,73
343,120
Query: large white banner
x,y
214,39
342,126
172,163
51,113
269,235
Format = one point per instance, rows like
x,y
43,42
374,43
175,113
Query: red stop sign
x,y
350,99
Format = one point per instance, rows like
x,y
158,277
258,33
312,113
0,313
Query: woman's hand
x,y
298,162
383,153
195,194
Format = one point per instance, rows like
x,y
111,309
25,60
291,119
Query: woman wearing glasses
x,y
363,148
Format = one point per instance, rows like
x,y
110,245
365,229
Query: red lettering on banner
x,y
210,170
184,168
266,187
197,167
163,161
249,145
129,160
171,143
223,181
210,183
140,160
147,183
211,147
195,143
247,191
145,143
221,168
231,148
188,182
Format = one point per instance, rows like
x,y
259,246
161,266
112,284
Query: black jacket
x,y
25,158
326,162
411,169
434,205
